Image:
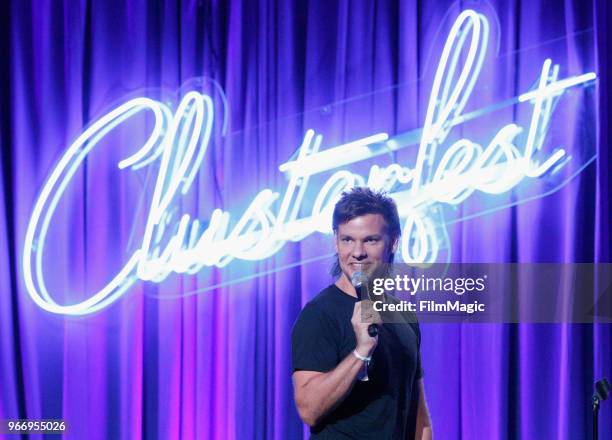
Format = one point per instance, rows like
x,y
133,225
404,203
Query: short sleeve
x,y
313,343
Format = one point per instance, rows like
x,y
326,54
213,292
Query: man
x,y
347,383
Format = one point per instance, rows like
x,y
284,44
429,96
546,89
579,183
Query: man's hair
x,y
361,201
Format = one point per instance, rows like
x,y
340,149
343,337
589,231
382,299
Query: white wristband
x,y
362,358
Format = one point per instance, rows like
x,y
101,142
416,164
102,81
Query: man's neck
x,y
345,285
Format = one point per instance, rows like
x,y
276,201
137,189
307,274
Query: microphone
x,y
602,388
359,280
602,391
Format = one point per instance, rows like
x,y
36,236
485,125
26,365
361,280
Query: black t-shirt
x,y
384,407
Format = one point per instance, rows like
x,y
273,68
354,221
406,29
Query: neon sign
x,y
179,140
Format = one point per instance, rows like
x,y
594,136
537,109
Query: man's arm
x,y
317,393
423,422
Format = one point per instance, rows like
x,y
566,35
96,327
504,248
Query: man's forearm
x,y
325,391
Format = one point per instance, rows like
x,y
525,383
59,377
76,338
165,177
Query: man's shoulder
x,y
316,315
325,304
327,295
321,302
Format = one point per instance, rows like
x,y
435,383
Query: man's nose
x,y
359,250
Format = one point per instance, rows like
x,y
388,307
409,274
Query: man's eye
x,y
372,240
346,239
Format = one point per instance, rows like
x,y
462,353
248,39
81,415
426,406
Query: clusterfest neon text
x,y
180,140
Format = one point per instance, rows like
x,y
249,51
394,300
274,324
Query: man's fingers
x,y
356,312
368,314
373,318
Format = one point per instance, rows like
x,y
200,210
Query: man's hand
x,y
363,316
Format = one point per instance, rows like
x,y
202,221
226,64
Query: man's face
x,y
363,244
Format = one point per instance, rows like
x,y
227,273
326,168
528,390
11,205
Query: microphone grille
x,y
358,278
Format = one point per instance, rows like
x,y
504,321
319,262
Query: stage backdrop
x,y
179,359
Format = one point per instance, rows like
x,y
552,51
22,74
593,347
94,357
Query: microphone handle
x,y
359,290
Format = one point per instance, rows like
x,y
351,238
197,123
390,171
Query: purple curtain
x,y
217,364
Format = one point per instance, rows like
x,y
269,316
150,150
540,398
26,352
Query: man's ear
x,y
336,242
395,245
